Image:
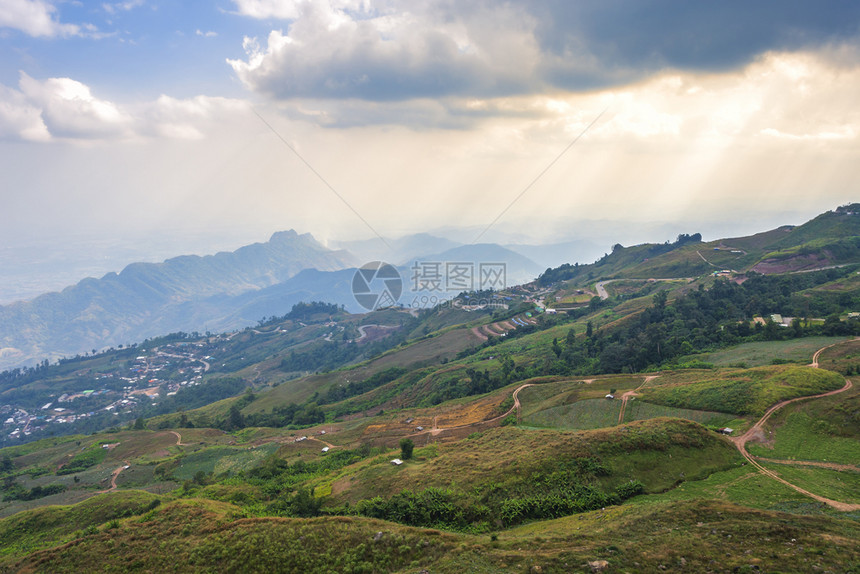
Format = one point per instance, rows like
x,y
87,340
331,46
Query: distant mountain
x,y
147,299
518,268
553,255
398,251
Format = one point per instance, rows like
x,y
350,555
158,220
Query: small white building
x,y
396,462
610,396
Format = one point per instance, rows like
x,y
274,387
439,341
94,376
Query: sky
x,y
227,120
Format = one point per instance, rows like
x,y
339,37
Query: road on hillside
x,y
753,432
601,290
626,396
114,476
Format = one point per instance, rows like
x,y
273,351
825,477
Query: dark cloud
x,y
490,49
629,39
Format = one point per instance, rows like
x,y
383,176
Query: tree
x,y
139,424
406,447
235,420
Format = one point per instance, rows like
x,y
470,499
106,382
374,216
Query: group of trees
x,y
302,311
701,320
328,355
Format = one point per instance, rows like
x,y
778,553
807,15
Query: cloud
x,y
334,52
34,18
192,118
122,6
281,9
69,109
64,109
396,50
629,38
208,34
19,119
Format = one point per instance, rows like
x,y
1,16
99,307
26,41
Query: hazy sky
x,y
150,116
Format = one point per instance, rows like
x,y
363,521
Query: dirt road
x,y
754,431
626,396
178,438
516,408
113,477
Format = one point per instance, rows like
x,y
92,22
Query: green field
x,y
581,415
744,392
220,460
843,486
639,410
803,437
742,485
764,352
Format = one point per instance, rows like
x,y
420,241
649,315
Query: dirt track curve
x,y
178,438
741,442
113,477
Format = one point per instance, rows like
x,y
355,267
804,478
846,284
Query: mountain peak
x,y
288,235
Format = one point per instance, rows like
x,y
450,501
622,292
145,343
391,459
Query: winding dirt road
x,y
516,408
756,429
178,438
113,477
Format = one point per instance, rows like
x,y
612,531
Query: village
x,y
143,381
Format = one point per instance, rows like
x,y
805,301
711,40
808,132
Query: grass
x,y
507,455
196,535
50,525
223,459
743,392
841,357
429,351
640,410
843,486
564,392
740,485
764,352
581,415
825,429
803,437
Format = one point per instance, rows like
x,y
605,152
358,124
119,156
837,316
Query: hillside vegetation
x,y
576,423
746,392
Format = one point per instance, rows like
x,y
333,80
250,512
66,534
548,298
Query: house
x,y
610,396
419,428
396,462
726,430
325,449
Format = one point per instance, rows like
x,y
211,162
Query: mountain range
x,y
231,290
220,292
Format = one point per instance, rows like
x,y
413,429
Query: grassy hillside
x,y
52,525
749,391
503,476
698,536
